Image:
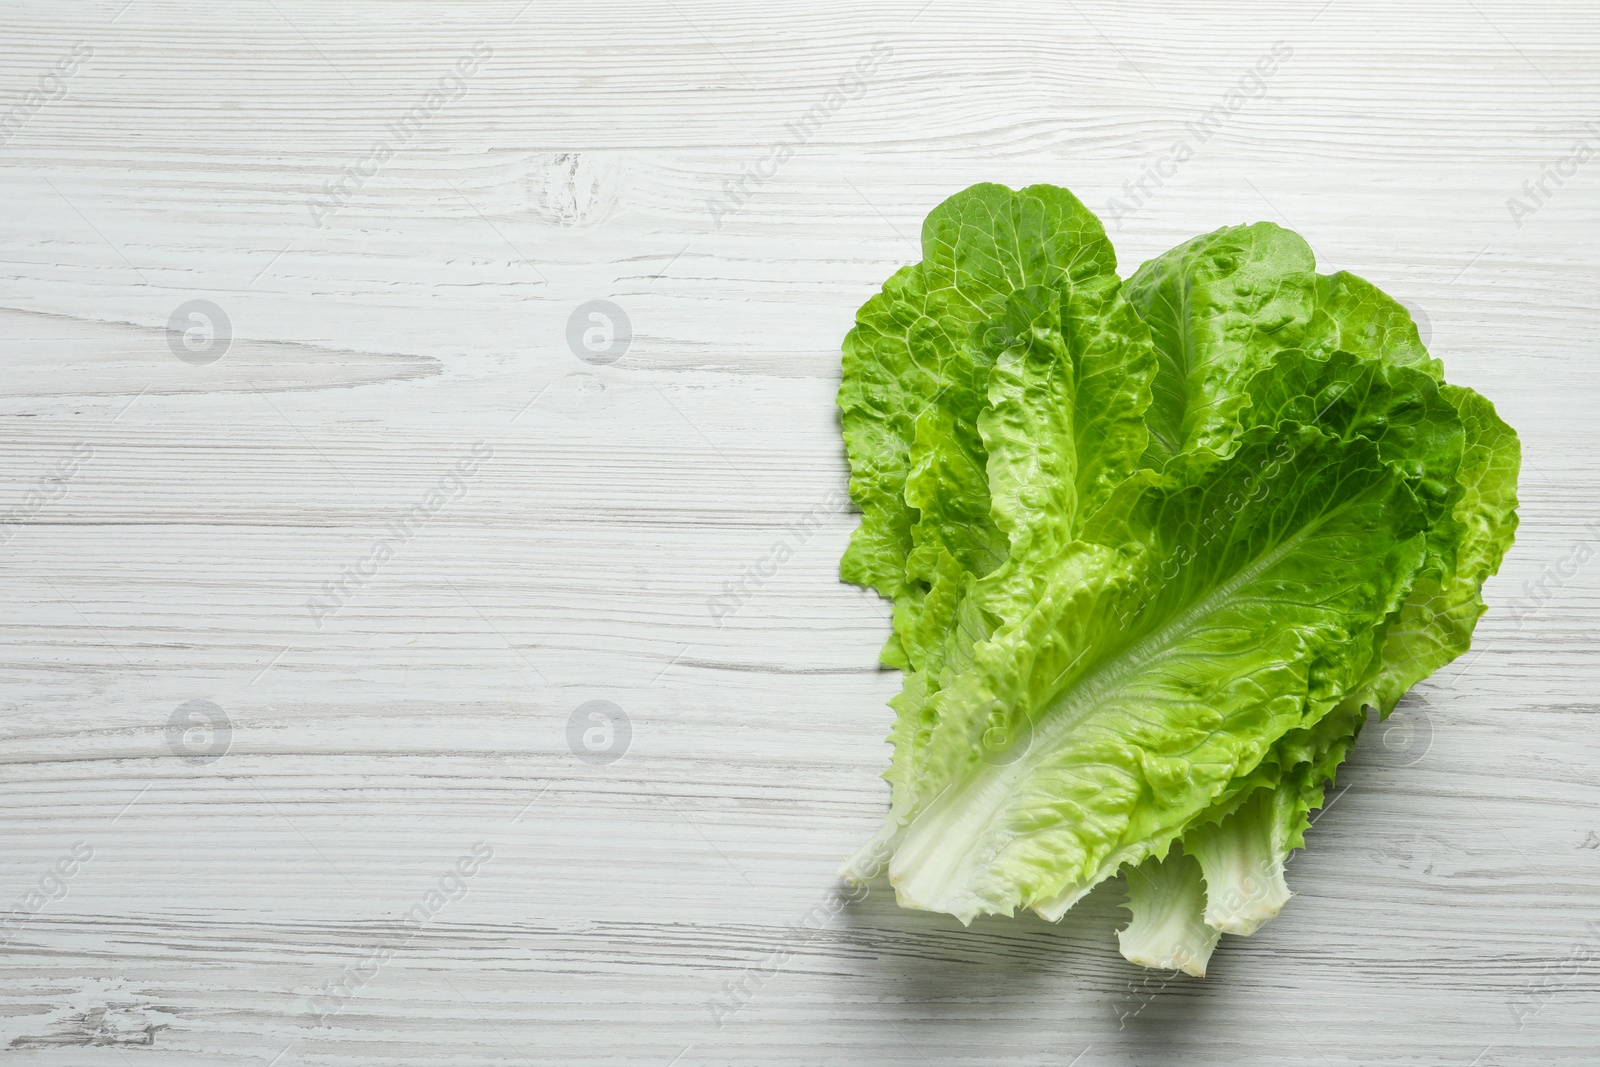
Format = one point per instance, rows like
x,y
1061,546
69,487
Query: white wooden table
x,y
398,208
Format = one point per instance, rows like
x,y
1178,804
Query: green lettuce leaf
x,y
1059,326
1067,391
1225,311
1208,611
909,364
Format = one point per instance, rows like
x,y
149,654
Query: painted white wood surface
x,y
185,513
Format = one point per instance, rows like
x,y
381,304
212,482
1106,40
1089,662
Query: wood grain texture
x,y
182,515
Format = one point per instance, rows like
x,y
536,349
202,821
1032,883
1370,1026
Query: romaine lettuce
x,y
1154,547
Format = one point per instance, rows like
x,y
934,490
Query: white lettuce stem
x,y
1242,861
1168,931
